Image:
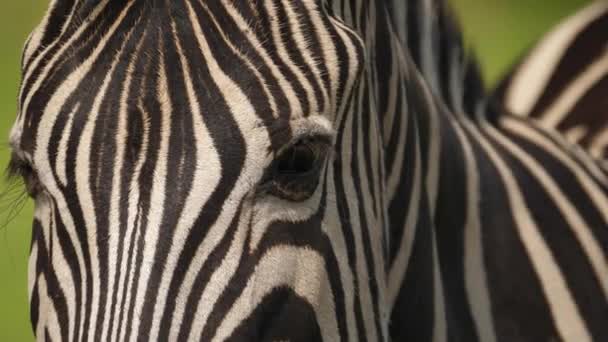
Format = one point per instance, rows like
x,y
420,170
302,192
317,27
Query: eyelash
x,y
18,168
294,175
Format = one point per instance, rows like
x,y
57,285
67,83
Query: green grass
x,y
17,18
499,30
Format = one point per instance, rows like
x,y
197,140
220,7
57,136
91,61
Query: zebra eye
x,y
295,173
300,158
20,168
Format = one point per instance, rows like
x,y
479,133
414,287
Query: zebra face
x,y
188,163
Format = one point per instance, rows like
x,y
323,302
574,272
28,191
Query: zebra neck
x,y
429,31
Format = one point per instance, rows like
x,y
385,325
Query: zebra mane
x,y
435,42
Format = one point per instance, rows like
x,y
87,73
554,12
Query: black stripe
x,y
574,62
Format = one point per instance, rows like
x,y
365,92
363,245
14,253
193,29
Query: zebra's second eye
x,y
19,168
295,174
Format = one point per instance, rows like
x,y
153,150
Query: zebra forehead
x,y
240,64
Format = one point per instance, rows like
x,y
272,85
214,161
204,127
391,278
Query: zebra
x,y
562,88
313,170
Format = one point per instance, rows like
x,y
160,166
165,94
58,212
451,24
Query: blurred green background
x,y
498,30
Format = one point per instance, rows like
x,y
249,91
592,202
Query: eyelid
x,y
314,127
20,168
317,139
17,166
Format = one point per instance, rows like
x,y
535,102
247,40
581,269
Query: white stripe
x,y
35,37
576,89
433,154
134,219
285,86
266,214
440,328
63,271
329,54
85,195
399,13
598,144
402,258
353,206
376,239
396,172
579,227
286,59
568,320
154,217
61,161
428,62
205,179
391,104
575,152
476,283
456,82
32,271
292,267
219,280
353,64
303,46
575,134
18,127
243,112
332,227
47,314
531,79
121,136
42,162
45,214
246,60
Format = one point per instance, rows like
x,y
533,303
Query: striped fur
x,y
563,80
150,130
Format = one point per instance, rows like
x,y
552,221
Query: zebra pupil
x,y
301,158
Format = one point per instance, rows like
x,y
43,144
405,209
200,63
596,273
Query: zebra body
x,y
563,88
294,170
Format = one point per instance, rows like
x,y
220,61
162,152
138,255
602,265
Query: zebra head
x,y
197,170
